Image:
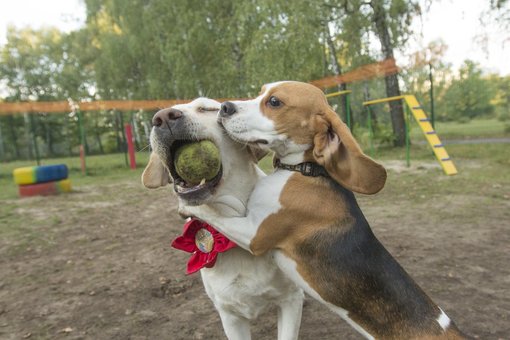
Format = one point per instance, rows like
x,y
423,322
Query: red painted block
x,y
44,189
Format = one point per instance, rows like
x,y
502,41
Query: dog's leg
x,y
289,317
235,327
241,230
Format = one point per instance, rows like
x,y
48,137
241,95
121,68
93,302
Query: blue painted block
x,y
48,173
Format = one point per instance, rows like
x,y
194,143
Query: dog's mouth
x,y
186,190
259,142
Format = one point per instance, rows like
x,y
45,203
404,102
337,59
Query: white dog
x,y
240,284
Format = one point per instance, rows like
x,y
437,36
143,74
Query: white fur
x,y
263,202
248,125
251,125
443,320
240,285
289,268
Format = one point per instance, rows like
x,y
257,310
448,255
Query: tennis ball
x,y
196,161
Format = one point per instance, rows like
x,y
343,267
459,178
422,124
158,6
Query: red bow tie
x,y
203,242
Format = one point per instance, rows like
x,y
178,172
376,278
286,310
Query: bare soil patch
x,y
97,264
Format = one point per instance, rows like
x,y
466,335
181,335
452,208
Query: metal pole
x,y
348,110
124,141
34,139
432,115
408,144
130,145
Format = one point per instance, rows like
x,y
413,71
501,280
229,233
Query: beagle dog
x,y
306,215
239,284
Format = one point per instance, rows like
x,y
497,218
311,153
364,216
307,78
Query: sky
x,y
456,22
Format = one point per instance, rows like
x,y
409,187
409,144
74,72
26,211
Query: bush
x,y
507,129
463,120
504,116
384,135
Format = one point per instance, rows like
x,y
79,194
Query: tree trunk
x,y
337,70
97,131
14,137
238,60
28,137
117,137
99,143
136,132
69,139
48,136
391,81
373,116
2,149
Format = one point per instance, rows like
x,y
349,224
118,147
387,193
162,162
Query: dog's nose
x,y
228,109
166,116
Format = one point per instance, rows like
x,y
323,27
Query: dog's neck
x,y
232,196
296,157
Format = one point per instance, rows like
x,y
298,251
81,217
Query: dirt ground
x,y
97,264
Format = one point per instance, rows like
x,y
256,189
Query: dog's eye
x,y
207,109
274,102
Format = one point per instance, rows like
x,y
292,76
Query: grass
x,y
105,169
476,128
101,170
483,173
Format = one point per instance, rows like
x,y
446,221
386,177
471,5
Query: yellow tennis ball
x,y
197,161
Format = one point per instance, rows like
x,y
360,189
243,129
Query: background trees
x,y
148,49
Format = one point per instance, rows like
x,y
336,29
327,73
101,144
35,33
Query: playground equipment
x,y
44,189
413,107
42,180
83,111
80,109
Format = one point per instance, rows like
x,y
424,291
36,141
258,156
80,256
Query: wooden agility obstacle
x,y
414,107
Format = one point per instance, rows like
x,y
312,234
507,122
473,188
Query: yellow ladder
x,y
431,135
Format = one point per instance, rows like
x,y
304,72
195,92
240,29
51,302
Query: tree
x,y
469,95
140,49
181,49
426,66
43,65
391,20
502,10
501,100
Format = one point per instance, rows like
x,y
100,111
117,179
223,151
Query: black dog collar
x,y
306,168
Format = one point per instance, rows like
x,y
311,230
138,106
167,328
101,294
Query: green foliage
x,y
182,49
158,49
458,97
501,99
45,64
469,95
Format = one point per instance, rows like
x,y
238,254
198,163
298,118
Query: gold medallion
x,y
204,240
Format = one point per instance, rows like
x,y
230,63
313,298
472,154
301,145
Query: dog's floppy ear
x,y
338,152
155,174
